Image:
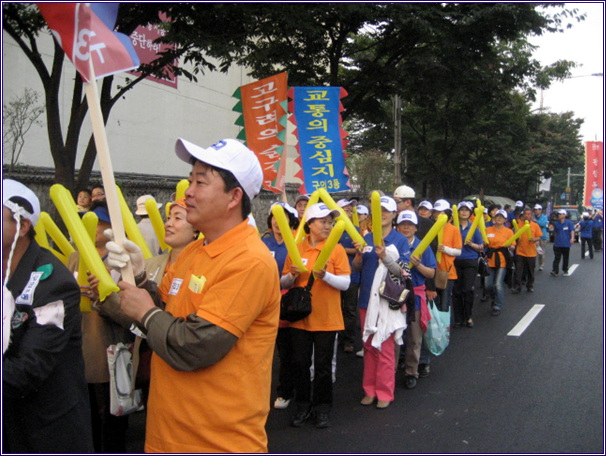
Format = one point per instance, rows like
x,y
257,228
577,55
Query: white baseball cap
x,y
519,203
362,210
287,207
467,204
230,155
441,205
389,204
319,210
12,188
343,202
404,191
502,213
141,204
407,216
538,206
426,205
562,211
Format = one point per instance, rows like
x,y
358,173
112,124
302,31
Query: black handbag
x,y
483,268
394,293
296,302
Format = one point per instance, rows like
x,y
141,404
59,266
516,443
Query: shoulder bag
x,y
296,302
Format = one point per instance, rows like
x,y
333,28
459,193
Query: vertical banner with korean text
x,y
594,175
263,105
321,140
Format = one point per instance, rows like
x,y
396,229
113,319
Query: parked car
x,y
491,199
572,214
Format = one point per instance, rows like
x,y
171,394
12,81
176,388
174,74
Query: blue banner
x,y
318,119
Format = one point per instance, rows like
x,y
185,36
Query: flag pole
x,y
107,172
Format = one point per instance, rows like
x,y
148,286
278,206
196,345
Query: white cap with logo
x,y
343,202
362,210
538,206
230,155
407,216
319,210
12,188
519,203
441,205
389,204
426,205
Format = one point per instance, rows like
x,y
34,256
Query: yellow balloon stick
x,y
57,235
376,211
90,221
474,225
42,238
167,209
130,226
349,226
514,222
156,220
519,233
69,214
289,240
440,241
313,199
483,226
354,218
181,187
455,217
329,245
432,233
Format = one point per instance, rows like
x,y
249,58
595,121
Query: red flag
x,y
86,31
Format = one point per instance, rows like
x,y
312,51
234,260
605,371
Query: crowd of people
x,y
206,311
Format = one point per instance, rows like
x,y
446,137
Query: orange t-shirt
x,y
326,313
452,239
526,248
224,407
496,239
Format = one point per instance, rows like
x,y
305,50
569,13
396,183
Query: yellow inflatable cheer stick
x,y
514,222
349,226
329,245
474,225
482,223
42,238
519,233
376,211
57,235
455,217
181,187
156,220
440,241
90,221
289,240
432,233
313,199
130,226
354,217
69,214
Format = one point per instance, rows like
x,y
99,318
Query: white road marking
x,y
526,320
572,268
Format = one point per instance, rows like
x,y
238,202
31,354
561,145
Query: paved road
x,y
540,392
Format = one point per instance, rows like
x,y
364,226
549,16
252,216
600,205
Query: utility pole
x,y
397,119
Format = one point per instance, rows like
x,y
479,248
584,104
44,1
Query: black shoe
x,y
484,298
553,274
423,370
495,312
530,289
322,421
515,291
300,418
410,382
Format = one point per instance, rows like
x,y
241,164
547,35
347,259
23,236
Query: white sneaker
x,y
281,403
360,354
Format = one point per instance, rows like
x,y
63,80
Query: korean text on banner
x,y
86,30
317,115
594,174
263,105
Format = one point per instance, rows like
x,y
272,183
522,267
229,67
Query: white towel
x,y
8,309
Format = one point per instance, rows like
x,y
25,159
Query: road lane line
x,y
526,320
572,268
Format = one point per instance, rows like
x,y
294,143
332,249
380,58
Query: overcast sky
x,y
583,94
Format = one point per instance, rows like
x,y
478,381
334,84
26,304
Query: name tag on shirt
x,y
27,296
304,261
196,283
175,286
565,228
490,235
367,249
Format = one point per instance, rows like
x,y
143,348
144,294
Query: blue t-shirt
x,y
347,243
586,228
598,221
563,233
543,222
278,251
467,253
370,262
427,259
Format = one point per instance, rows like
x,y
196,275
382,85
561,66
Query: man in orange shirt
x,y
212,327
526,253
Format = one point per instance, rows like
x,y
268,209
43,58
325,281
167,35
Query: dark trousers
x,y
560,252
589,243
321,344
349,307
286,381
597,239
463,291
524,269
109,431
